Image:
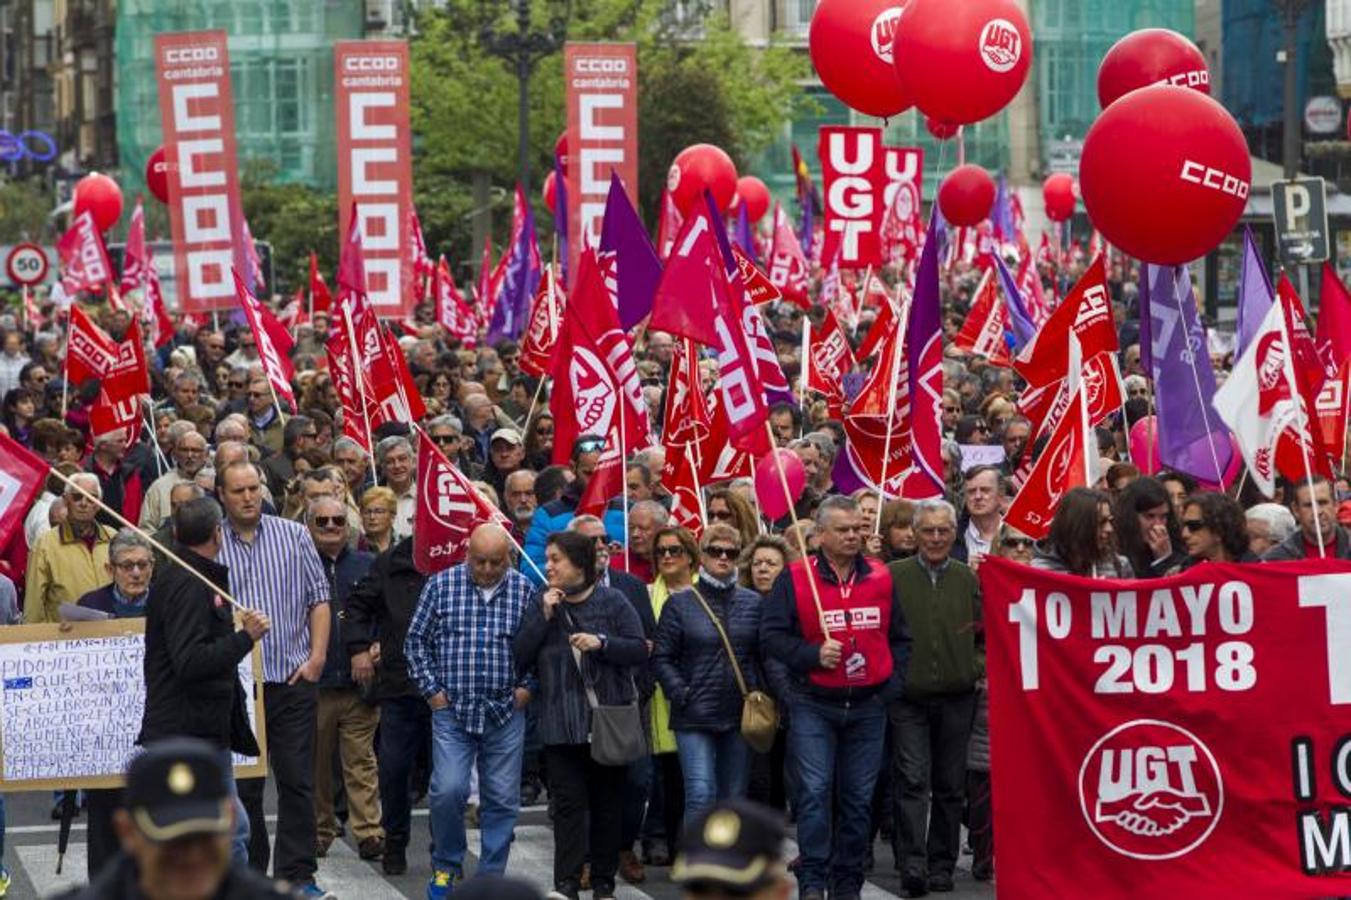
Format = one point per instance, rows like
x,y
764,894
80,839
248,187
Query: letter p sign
x,y
1298,203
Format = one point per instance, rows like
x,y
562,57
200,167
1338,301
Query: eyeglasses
x,y
444,438
951,409
590,445
239,384
134,565
670,550
1015,543
722,516
329,521
720,552
1194,524
256,395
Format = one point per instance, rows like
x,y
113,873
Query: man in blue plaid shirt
x,y
459,656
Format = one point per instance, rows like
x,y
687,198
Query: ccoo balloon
x,y
962,62
1151,56
100,195
850,42
157,175
1059,193
755,195
1165,174
699,167
966,195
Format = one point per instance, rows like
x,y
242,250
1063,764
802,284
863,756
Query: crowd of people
x,y
630,672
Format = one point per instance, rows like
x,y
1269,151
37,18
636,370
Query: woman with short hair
x,y
378,507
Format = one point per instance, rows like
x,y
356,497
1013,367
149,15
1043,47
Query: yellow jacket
x,y
663,738
62,569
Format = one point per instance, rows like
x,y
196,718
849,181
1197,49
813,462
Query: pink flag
x,y
134,256
276,365
84,259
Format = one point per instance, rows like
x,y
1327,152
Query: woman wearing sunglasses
x,y
691,662
1214,529
1082,540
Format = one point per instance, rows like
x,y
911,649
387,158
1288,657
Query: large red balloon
x,y
850,45
699,167
157,175
551,192
1165,174
941,130
100,195
769,483
1059,193
755,195
1151,56
966,195
962,62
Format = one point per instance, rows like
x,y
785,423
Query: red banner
x,y
602,87
1188,737
449,508
205,215
855,180
375,171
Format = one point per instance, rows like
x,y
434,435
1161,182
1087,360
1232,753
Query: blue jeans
x,y
716,765
834,746
498,752
239,840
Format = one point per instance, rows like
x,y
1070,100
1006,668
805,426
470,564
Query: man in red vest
x,y
832,619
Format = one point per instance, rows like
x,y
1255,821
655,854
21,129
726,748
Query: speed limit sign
x,y
26,264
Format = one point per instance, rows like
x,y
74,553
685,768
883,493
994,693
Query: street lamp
x,y
521,49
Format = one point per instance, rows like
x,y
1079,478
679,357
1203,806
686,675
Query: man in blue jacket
x,y
554,516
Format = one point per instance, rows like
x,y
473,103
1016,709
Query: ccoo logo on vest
x,y
1151,790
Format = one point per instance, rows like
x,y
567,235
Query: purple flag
x,y
521,272
637,268
561,218
1255,296
744,238
924,370
1001,216
1192,437
805,238
1019,319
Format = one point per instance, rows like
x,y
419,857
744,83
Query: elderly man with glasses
x,y
190,455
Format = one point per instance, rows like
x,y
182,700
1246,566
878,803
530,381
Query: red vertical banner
x,y
205,215
375,166
602,88
853,172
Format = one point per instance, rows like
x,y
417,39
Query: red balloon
x,y
755,195
1151,56
966,195
963,62
941,130
561,150
1165,174
157,176
550,192
100,195
699,167
850,42
1059,193
769,485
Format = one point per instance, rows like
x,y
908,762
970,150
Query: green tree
x,y
294,219
24,206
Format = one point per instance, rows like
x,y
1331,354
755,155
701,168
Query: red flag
x,y
320,299
668,225
90,352
22,475
867,417
1087,311
717,458
789,270
828,359
759,289
390,387
1334,319
340,370
452,312
449,508
352,262
1333,412
687,294
485,295
541,332
983,331
596,385
422,263
121,387
686,420
251,258
1067,460
607,481
134,257
84,259
1029,285
882,328
153,311
678,477
276,365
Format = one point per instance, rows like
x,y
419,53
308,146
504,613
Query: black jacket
x,y
380,608
1293,547
120,880
636,593
344,574
192,654
690,660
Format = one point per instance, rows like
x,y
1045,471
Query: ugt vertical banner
x,y
855,181
205,215
375,165
602,86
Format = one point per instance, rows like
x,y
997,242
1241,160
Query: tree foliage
x,y
295,219
24,206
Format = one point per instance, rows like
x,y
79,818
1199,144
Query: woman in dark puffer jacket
x,y
690,661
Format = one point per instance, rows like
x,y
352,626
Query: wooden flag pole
x,y
225,594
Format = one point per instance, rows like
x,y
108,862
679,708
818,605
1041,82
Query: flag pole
x,y
624,475
1298,398
806,366
902,323
65,364
149,537
698,488
801,542
360,386
148,411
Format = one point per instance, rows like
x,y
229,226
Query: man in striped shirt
x,y
459,650
275,568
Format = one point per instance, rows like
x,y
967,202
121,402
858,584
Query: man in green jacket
x,y
931,723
